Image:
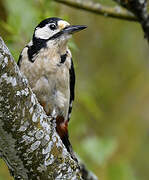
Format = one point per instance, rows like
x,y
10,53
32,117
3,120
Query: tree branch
x,y
97,8
139,9
136,10
28,140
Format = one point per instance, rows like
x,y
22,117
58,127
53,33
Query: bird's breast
x,y
49,80
52,85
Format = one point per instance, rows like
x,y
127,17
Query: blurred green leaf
x,y
121,171
98,150
88,101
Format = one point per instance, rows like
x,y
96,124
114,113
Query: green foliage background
x,y
109,128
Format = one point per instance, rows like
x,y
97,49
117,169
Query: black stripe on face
x,y
55,36
35,48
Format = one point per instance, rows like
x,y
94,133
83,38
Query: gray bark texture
x,y
29,143
139,9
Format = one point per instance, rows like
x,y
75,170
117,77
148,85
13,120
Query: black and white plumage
x,y
47,63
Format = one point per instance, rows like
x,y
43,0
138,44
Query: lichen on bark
x,y
28,140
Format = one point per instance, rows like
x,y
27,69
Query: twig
x,y
97,8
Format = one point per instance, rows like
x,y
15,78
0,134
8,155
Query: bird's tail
x,y
62,130
66,142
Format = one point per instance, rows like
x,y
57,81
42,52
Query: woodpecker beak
x,y
73,29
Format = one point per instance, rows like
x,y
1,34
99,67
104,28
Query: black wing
x,y
72,88
19,60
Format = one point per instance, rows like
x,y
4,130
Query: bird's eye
x,y
52,26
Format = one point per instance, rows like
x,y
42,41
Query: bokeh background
x,y
109,128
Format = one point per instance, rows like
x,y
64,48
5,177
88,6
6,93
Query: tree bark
x,y
136,10
29,143
139,9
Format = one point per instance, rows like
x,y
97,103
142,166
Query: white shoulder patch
x,y
30,43
24,52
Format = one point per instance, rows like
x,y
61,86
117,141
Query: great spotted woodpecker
x,y
47,63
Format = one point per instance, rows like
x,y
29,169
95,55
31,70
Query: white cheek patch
x,y
44,32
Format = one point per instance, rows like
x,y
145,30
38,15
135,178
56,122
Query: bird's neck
x,y
57,47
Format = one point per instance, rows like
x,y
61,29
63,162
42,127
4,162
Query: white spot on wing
x,y
30,43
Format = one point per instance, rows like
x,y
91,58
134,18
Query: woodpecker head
x,y
55,29
53,34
